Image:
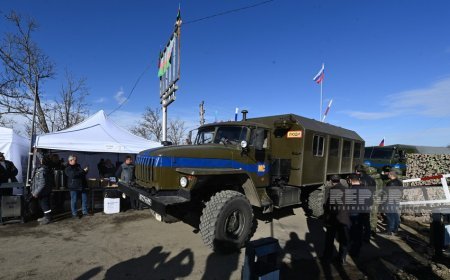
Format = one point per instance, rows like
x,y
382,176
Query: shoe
x,y
40,219
45,221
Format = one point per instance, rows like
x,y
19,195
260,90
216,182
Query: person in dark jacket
x,y
41,188
392,212
125,173
8,170
337,221
369,183
76,182
356,229
101,168
109,170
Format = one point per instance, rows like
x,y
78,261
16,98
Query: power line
x,y
132,90
184,23
228,12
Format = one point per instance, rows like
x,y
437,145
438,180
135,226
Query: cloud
x,y
431,101
370,116
119,97
126,119
100,100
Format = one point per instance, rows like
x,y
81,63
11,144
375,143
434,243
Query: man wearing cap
x,y
8,170
393,216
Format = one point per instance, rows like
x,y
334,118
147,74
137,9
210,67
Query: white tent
x,y
15,148
95,134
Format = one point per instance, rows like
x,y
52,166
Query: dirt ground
x,y
133,245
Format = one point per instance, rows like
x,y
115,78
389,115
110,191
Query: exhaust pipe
x,y
244,115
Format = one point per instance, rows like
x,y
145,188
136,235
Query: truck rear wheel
x,y
226,221
315,201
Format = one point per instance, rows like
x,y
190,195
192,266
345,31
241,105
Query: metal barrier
x,y
443,179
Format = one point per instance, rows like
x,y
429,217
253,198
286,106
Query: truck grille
x,y
144,169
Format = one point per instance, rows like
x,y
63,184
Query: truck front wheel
x,y
226,221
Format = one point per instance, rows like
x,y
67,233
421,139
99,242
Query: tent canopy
x,y
95,134
15,148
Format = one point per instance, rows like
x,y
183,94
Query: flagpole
x,y
321,104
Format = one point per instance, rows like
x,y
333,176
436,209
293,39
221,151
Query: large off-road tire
x,y
226,223
315,202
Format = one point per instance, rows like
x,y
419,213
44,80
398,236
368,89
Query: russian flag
x,y
319,77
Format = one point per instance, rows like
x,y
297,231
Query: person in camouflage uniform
x,y
379,184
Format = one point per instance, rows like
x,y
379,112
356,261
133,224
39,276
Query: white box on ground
x,y
111,205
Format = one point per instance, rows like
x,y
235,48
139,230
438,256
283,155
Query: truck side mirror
x,y
166,143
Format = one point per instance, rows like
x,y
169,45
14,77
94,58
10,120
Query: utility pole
x,y
202,113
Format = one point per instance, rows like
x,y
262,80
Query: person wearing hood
x,y
41,188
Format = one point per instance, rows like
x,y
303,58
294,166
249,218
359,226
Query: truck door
x,y
258,156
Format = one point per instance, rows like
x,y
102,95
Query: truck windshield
x,y
221,135
381,153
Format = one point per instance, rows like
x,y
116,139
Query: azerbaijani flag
x,y
319,77
381,143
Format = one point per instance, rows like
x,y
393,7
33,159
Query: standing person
x,y
373,173
109,169
393,216
368,182
101,168
41,187
356,229
8,173
8,170
125,173
337,221
76,182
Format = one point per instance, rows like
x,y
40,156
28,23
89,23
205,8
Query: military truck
x,y
235,168
395,155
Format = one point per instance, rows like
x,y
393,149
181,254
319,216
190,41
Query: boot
x,y
45,220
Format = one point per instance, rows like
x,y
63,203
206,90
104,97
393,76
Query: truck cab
x,y
393,156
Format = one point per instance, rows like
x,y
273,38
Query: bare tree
x,y
24,69
176,132
5,122
71,107
151,127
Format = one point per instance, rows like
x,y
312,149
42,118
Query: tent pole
x,y
33,132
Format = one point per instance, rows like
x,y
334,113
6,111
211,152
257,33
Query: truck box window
x,y
318,145
346,149
357,150
334,147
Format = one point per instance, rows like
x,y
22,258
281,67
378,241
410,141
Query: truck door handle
x,y
296,153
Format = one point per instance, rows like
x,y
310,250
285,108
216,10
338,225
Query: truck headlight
x,y
183,182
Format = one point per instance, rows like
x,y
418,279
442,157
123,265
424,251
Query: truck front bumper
x,y
158,202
